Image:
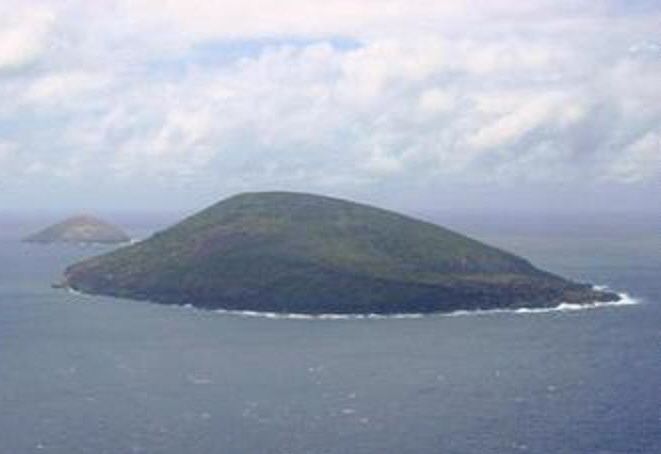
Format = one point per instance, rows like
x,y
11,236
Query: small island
x,y
80,230
302,253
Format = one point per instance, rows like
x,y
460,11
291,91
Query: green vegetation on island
x,y
81,230
302,253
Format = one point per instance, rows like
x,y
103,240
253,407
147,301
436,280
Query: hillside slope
x,y
291,252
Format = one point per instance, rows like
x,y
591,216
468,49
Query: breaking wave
x,y
297,316
73,291
625,300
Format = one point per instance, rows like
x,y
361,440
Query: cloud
x,y
435,101
268,18
336,95
535,111
368,19
23,36
7,150
639,161
61,87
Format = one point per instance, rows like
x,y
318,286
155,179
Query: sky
x,y
424,105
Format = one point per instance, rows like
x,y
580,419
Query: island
x,y
301,253
82,229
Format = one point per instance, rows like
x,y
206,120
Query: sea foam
x,y
625,300
73,291
299,316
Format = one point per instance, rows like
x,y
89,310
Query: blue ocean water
x,y
82,374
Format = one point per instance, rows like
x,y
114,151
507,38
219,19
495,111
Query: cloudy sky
x,y
426,104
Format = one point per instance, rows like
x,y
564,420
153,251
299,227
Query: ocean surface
x,y
82,374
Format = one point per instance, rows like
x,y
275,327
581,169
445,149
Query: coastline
x,y
625,300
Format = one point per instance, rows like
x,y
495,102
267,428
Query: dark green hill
x,y
80,229
290,252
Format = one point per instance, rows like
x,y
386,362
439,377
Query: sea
x,y
84,374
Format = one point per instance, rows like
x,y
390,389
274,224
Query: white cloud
x,y
639,161
335,93
23,35
535,111
9,160
366,19
7,149
435,101
64,87
265,18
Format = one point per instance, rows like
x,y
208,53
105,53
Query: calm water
x,y
84,374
